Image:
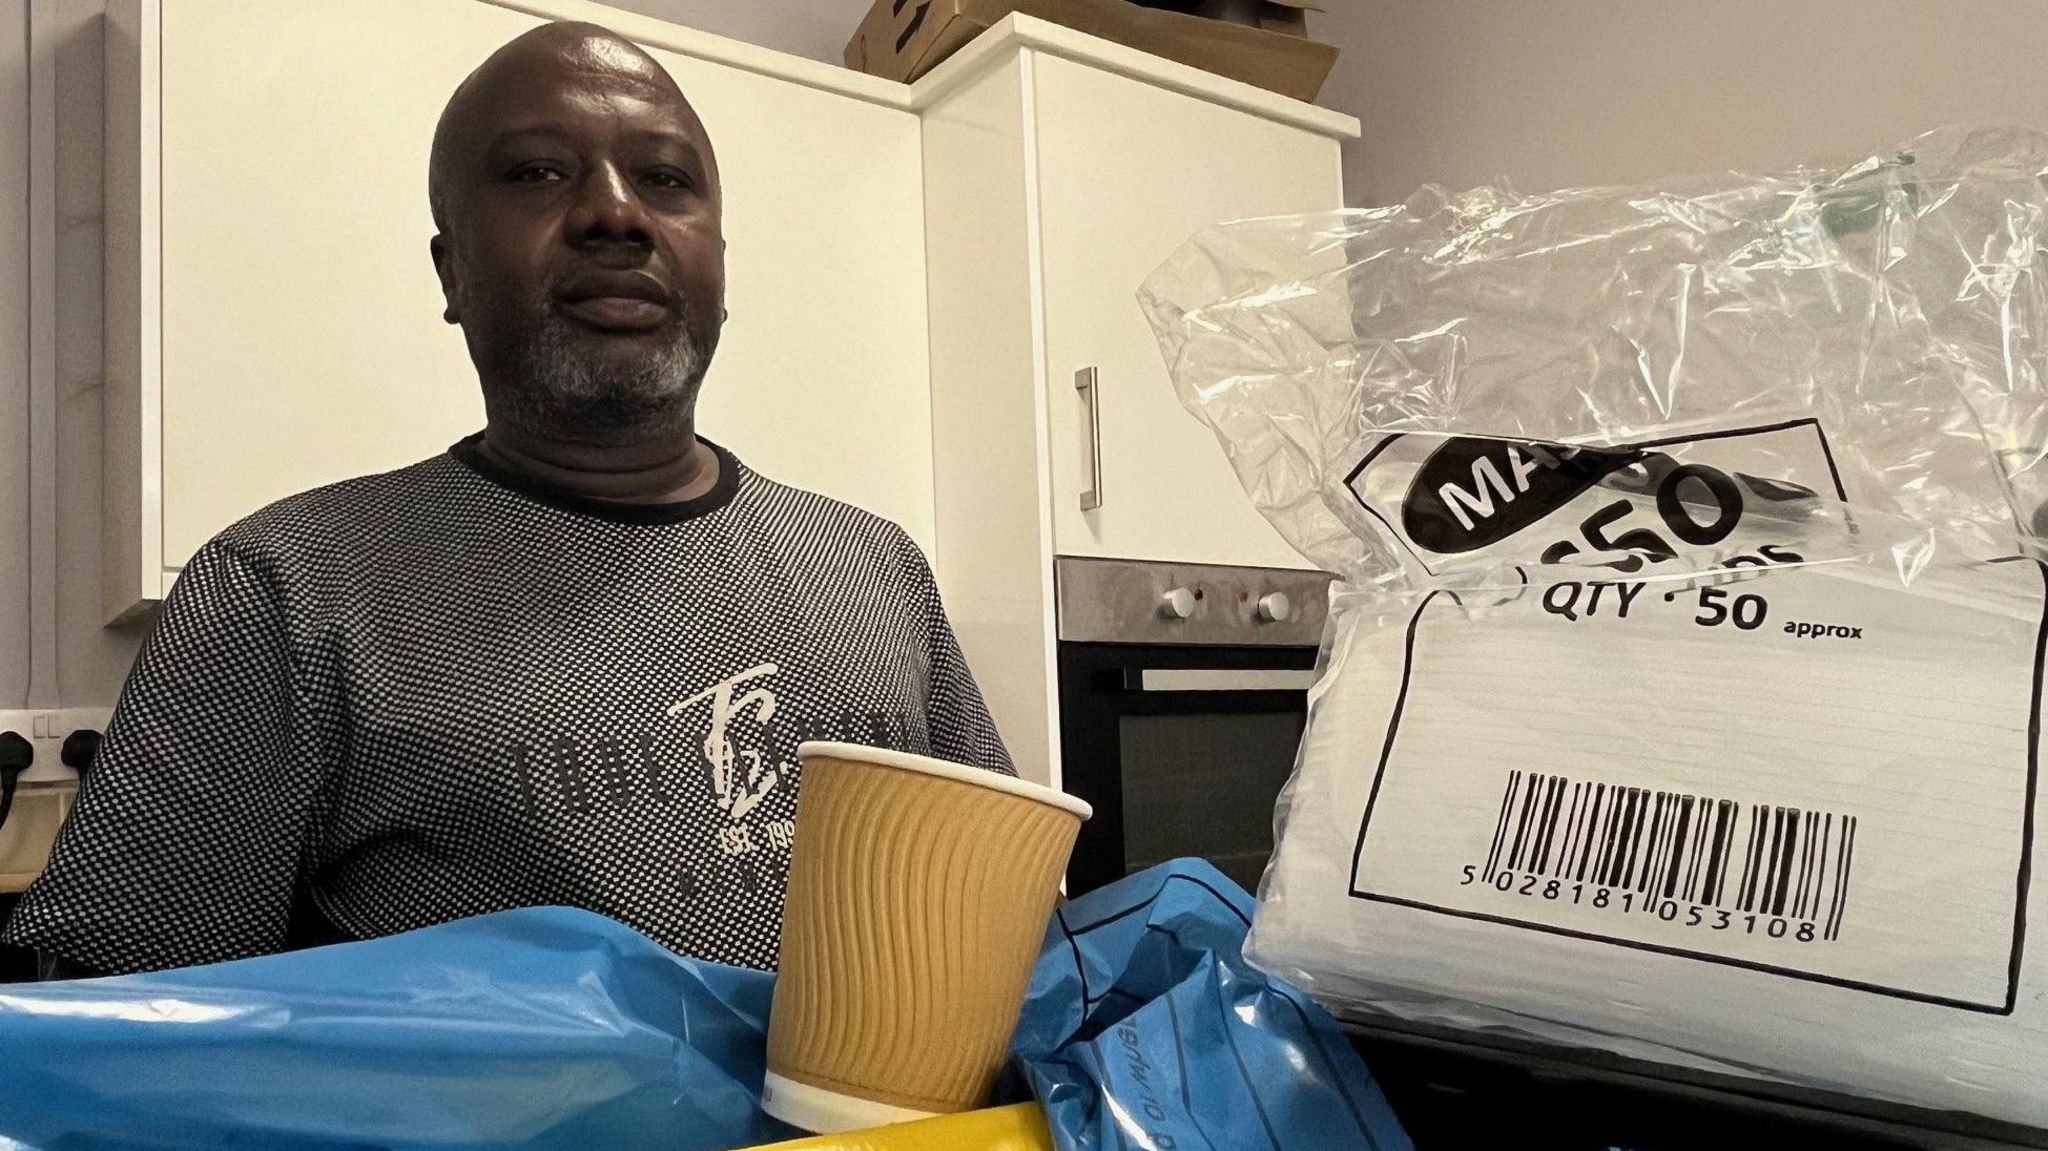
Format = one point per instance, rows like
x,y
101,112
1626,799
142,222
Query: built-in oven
x,y
1183,690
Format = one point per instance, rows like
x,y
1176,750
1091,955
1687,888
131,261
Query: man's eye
x,y
668,180
537,174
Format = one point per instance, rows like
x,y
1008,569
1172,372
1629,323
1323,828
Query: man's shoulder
x,y
331,513
802,512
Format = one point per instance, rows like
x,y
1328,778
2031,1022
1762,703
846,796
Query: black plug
x,y
80,749
16,756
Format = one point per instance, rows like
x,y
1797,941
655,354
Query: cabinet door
x,y
1126,173
302,338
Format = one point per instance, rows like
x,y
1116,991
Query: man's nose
x,y
608,210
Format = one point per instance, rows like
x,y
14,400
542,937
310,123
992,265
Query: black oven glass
x,y
1181,750
1204,784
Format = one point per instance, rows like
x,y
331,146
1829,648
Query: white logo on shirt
x,y
734,795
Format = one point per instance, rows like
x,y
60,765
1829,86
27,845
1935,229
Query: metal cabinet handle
x,y
1084,382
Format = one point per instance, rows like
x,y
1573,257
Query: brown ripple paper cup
x,y
918,893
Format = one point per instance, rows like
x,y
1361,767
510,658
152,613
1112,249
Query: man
x,y
569,661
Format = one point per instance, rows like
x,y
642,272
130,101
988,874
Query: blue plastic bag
x,y
536,1029
1145,1027
554,1028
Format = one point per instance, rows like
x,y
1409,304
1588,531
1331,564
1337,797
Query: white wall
x,y
817,29
14,353
1551,93
80,663
53,651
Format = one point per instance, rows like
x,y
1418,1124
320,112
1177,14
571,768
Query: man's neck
x,y
670,468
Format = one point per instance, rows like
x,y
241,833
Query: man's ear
x,y
444,267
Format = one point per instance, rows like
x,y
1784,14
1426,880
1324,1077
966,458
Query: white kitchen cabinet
x,y
1127,171
1059,171
274,320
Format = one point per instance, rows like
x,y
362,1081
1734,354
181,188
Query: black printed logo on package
x,y
1476,491
1450,497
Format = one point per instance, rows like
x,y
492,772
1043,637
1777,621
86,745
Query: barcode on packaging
x,y
1673,855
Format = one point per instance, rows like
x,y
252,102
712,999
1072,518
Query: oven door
x,y
1181,750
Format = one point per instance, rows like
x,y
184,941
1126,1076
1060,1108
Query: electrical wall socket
x,y
46,730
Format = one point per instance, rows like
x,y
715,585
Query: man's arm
x,y
955,714
186,843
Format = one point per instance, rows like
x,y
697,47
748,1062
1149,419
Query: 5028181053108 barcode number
x,y
1671,855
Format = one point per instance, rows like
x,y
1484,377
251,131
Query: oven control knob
x,y
1274,608
1177,604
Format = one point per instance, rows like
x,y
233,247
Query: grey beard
x,y
564,392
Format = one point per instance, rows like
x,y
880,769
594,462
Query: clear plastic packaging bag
x,y
1681,691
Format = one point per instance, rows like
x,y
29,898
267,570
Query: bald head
x,y
579,238
566,54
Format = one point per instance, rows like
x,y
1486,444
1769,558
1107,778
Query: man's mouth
x,y
617,301
618,313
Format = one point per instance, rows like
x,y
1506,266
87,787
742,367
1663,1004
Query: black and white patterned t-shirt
x,y
440,692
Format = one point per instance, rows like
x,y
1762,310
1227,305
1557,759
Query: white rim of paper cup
x,y
823,1112
946,769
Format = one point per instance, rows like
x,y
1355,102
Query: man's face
x,y
582,253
